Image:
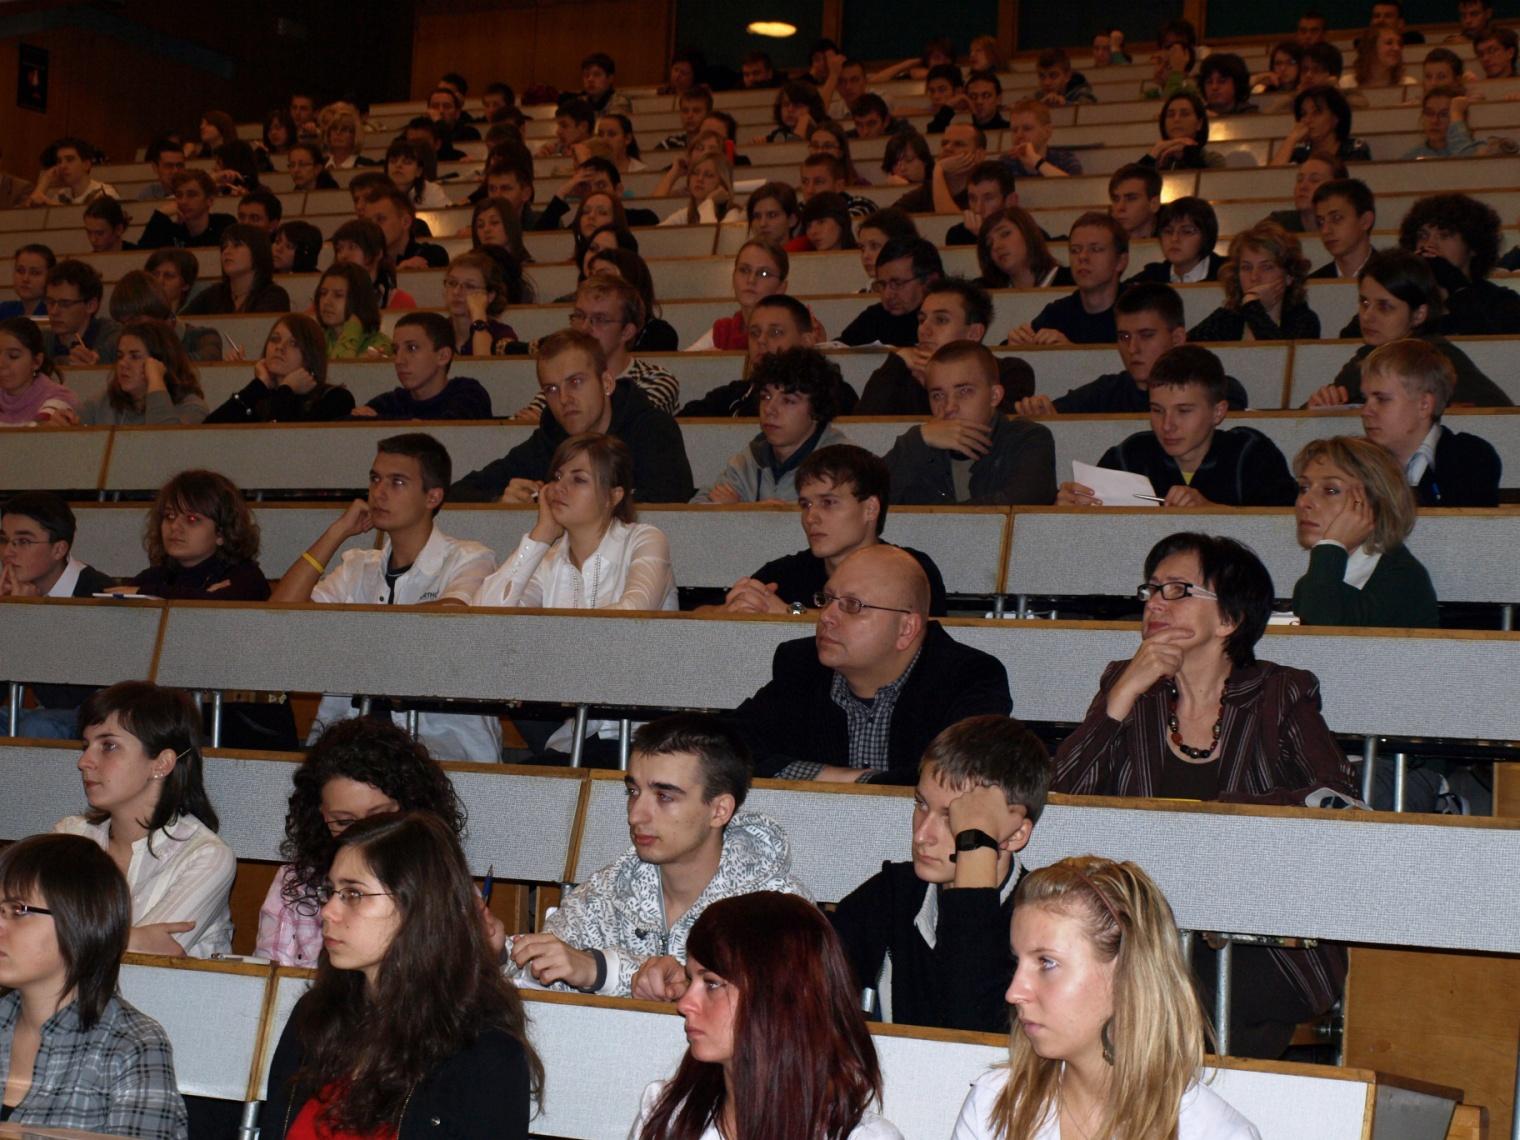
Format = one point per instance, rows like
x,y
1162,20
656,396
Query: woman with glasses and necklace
x,y
410,1028
356,769
73,1053
1194,715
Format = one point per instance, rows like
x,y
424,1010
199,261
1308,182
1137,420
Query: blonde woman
x,y
1108,1036
1263,281
709,189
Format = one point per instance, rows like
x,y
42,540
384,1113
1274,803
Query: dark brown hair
x,y
213,496
162,344
610,460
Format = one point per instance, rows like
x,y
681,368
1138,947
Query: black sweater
x,y
1299,322
960,981
257,403
1020,467
1242,468
1116,392
877,326
1473,387
270,298
1465,474
1399,593
661,472
893,390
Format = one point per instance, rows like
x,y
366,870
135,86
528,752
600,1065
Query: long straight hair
x,y
437,990
1157,1029
804,1065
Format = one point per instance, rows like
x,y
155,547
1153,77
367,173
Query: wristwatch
x,y
479,326
971,839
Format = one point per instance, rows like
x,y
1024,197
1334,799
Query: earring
x,y
1107,1038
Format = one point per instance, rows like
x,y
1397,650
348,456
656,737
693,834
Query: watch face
x,y
972,839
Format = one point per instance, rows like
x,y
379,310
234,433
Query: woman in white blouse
x,y
141,770
1108,1036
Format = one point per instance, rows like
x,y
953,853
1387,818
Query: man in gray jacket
x,y
968,451
623,931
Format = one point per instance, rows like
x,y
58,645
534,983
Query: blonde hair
x,y
1157,1033
1418,365
1367,61
1032,107
1374,467
989,45
725,174
1268,237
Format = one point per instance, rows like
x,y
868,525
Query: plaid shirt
x,y
870,727
116,1077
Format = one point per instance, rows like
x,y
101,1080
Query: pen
x,y
1148,498
485,890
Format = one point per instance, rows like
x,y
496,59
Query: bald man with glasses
x,y
861,699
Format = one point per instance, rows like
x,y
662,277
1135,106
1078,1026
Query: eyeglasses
x,y
895,284
595,320
62,302
466,286
1173,591
19,543
10,910
852,606
348,896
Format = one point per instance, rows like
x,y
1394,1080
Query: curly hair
x,y
806,372
1475,222
372,752
212,496
1268,237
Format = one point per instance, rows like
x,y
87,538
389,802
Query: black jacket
x,y
1162,271
480,1093
877,326
793,717
462,398
960,981
661,473
271,298
257,403
1299,322
892,389
1020,468
1475,308
1115,393
740,399
163,230
553,215
1242,468
1465,474
799,576
1473,387
1068,316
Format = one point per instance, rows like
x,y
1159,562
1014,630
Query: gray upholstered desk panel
x,y
41,785
77,642
1101,551
52,459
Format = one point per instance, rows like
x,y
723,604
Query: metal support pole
x,y
1507,617
15,708
1369,767
216,719
1222,978
1185,941
625,739
364,705
248,1128
1514,1126
1022,601
411,723
1400,774
578,746
999,606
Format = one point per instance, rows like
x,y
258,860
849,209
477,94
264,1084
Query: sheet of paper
x,y
1115,488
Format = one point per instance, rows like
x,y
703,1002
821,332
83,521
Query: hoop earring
x,y
1107,1038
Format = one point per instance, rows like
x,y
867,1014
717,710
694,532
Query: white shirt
x,y
185,877
1359,563
1203,1115
64,587
444,568
707,214
434,197
1193,276
1424,457
871,1126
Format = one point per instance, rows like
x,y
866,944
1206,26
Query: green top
x,y
350,340
1398,595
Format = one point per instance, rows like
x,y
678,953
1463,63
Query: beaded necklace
x,y
1176,731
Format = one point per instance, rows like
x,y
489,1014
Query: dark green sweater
x,y
1398,595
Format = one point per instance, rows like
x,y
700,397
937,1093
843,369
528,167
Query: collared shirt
x,y
179,873
870,721
1199,272
1424,457
926,921
1359,563
92,190
117,1077
64,587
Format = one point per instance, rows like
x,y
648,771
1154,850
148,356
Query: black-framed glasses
x,y
823,599
1173,591
10,910
348,896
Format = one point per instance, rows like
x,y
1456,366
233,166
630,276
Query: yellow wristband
x,y
320,569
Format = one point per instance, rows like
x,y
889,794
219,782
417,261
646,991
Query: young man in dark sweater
x,y
931,935
1189,459
1099,256
424,350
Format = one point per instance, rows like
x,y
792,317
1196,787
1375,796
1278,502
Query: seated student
x,y
954,309
1460,236
193,224
829,137
393,212
861,700
1012,254
1188,229
1355,511
581,395
165,156
1149,319
905,268
843,495
1398,298
969,452
32,390
826,224
1183,127
347,309
593,175
65,179
765,969
1059,85
152,380
1313,172
941,920
261,208
414,168
356,769
1345,212
445,106
598,72
1322,125
984,96
77,334
760,270
709,193
29,270
306,164
296,246
202,543
1406,385
778,323
1497,49
424,345
1189,459
945,87
76,1054
824,173
417,565
1473,18
105,226
907,161
1264,295
139,294
1443,118
574,122
693,105
362,243
290,382
1029,150
989,189
1442,67
1283,63
870,116
1195,715
796,107
475,294
1390,14
1225,84
945,181
1126,993
656,334
1134,199
148,809
247,284
772,213
622,930
408,1020
798,396
1099,252
1312,29
495,224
